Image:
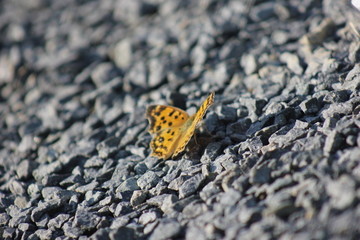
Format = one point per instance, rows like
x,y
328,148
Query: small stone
x,y
280,204
44,233
94,161
148,217
230,197
239,127
292,61
103,73
17,188
8,233
58,221
191,185
148,180
279,37
129,184
108,147
227,113
43,221
342,192
56,193
92,197
123,233
122,208
85,220
138,197
43,208
310,106
333,142
262,12
167,228
260,175
46,169
21,202
209,190
250,215
27,143
70,231
101,234
24,169
336,109
212,151
249,63
4,218
26,227
123,53
88,187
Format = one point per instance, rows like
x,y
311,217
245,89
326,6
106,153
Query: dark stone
x,y
85,220
122,233
25,168
280,204
43,208
263,12
191,185
227,113
8,233
310,106
4,218
260,175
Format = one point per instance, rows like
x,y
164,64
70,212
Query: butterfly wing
x,y
188,129
164,124
164,142
161,117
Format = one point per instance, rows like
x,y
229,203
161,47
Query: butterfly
x,y
172,128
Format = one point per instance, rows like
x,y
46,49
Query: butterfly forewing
x,y
190,126
161,117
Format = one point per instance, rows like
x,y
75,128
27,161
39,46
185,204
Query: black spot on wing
x,y
170,114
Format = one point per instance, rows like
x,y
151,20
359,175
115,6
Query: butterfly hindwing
x,y
164,142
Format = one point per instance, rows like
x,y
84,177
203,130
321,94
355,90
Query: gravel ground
x,y
277,155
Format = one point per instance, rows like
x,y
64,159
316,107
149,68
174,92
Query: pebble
x,y
167,228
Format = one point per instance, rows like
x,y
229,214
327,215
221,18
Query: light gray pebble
x,y
148,180
167,228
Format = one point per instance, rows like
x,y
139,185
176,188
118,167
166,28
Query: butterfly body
x,y
172,128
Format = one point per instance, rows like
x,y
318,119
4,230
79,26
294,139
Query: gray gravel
x,y
276,157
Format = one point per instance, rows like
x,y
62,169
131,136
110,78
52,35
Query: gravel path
x,y
276,157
